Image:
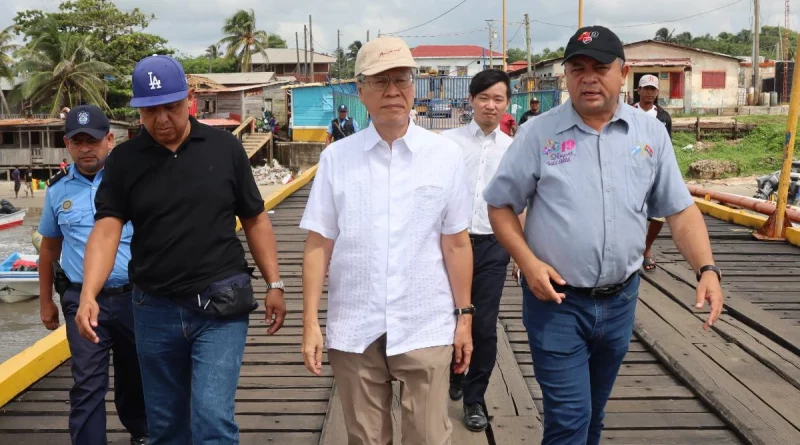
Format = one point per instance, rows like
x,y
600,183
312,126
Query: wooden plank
x,y
770,387
661,420
249,422
516,430
736,404
512,376
668,437
242,407
333,428
245,438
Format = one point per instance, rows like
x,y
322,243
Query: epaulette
x,y
55,178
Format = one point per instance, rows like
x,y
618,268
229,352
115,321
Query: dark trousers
x,y
87,413
577,349
490,266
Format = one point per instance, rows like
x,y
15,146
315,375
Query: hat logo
x,y
586,37
386,53
155,82
83,118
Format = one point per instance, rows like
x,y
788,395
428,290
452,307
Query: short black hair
x,y
487,79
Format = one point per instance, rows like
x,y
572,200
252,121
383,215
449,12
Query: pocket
x,y
638,180
70,221
428,205
138,296
231,296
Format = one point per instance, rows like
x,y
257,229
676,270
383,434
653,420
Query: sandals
x,y
649,264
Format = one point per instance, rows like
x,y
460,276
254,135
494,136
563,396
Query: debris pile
x,y
272,174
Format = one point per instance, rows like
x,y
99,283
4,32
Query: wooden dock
x,y
739,383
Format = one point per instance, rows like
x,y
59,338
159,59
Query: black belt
x,y
111,291
597,292
478,239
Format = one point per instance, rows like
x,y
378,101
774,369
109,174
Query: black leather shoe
x,y
474,418
140,441
456,386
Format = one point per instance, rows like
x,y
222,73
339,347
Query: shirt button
x,y
608,189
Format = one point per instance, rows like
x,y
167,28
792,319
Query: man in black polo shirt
x,y
533,112
181,184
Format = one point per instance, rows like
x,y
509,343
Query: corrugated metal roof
x,y
454,51
288,56
233,89
238,78
29,122
659,62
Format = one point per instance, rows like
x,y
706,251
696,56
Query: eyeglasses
x,y
381,83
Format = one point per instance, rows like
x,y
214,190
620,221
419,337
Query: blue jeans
x,y
577,349
190,370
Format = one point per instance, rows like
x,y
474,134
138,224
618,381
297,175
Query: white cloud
x,y
191,26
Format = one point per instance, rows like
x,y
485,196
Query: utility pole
x,y
756,50
580,13
504,35
367,35
311,44
305,50
338,54
528,41
491,38
297,47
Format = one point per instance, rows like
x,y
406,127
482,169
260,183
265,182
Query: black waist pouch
x,y
229,297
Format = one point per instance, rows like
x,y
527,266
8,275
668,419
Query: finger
x,y
701,295
549,293
716,311
467,356
318,360
268,313
93,316
555,276
280,315
458,354
308,359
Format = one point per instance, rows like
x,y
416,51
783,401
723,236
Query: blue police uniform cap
x,y
342,107
88,119
158,80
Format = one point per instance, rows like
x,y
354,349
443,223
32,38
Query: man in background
x,y
533,112
341,127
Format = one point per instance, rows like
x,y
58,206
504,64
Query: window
x,y
713,80
36,138
444,70
424,69
676,85
461,70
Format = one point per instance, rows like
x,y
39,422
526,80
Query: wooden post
x,y
697,129
735,129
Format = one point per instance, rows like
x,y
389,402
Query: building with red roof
x,y
456,60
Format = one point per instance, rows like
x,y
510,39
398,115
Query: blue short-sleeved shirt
x,y
589,193
68,213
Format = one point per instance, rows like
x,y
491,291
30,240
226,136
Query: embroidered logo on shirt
x,y
66,205
559,152
642,150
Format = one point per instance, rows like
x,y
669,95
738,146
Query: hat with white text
x,y
648,80
382,54
88,119
597,42
158,80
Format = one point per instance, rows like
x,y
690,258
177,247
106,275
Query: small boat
x,y
9,220
19,278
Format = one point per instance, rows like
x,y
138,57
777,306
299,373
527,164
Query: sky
x,y
191,26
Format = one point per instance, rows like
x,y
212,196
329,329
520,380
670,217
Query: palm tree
x,y
352,50
6,63
243,39
213,53
664,35
60,70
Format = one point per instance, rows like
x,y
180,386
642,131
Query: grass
x,y
758,152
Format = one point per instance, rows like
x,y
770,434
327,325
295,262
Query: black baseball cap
x,y
88,119
597,42
342,107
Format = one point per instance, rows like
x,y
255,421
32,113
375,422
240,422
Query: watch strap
x,y
467,310
708,267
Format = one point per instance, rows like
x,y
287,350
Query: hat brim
x,y
600,56
93,132
386,66
154,101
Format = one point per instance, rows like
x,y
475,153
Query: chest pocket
x,y
428,204
639,180
77,221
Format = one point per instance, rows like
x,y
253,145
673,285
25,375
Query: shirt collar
x,y
569,118
197,132
475,131
411,138
73,173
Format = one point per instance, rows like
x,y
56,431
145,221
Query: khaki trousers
x,y
365,388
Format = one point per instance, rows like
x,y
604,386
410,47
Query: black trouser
x,y
87,413
490,265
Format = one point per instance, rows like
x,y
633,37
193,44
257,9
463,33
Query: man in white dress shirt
x,y
388,214
483,146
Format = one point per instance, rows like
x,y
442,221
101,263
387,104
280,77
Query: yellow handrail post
x,y
773,229
580,13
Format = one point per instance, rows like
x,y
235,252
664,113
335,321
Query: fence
x,y
440,102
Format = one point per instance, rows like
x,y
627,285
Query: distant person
x,y
533,112
29,181
15,176
508,124
341,127
648,104
67,220
63,166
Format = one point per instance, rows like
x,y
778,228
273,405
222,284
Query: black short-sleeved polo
x,y
182,206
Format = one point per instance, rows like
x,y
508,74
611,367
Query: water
x,y
20,324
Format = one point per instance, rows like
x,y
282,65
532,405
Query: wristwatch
x,y
705,269
275,285
467,310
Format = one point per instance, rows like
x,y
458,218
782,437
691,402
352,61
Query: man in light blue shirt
x,y
590,172
67,220
341,127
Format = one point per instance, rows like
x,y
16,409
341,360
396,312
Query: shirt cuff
x,y
452,229
313,226
672,208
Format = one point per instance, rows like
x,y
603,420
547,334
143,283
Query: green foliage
x,y
759,152
199,65
243,39
515,55
739,44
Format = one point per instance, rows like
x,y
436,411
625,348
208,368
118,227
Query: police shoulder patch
x,y
55,178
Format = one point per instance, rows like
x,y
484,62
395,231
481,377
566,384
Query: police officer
x,y
590,171
342,127
67,220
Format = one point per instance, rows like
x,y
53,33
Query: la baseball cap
x,y
158,80
383,53
648,80
88,119
597,42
